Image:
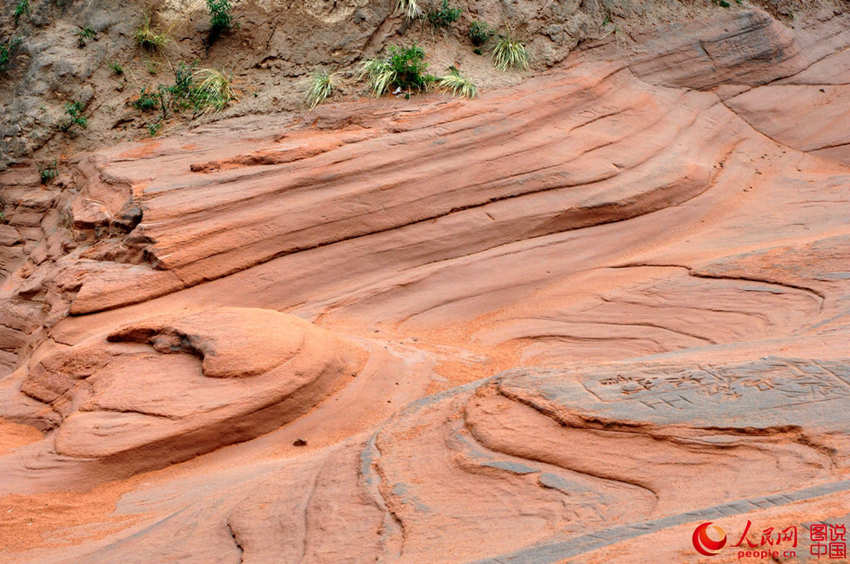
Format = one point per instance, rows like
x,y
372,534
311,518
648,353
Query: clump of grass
x,y
510,53
181,90
221,18
21,8
74,110
458,84
202,90
409,8
321,87
403,68
212,90
7,52
147,101
444,16
149,39
84,34
479,33
116,68
48,172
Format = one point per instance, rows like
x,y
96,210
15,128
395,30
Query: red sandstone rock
x,y
657,247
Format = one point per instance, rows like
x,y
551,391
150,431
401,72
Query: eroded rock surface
x,y
567,319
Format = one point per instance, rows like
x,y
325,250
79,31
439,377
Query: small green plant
x,y
457,84
183,78
116,68
479,33
510,53
48,172
149,39
221,18
3,219
404,68
203,91
7,52
409,8
21,8
83,35
154,127
75,116
444,16
147,101
212,90
321,87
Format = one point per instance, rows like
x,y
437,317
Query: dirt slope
x,y
570,319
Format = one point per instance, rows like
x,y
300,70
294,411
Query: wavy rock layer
x,y
656,248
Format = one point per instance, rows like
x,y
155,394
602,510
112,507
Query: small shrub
x,y
147,101
148,39
479,33
444,16
211,91
48,172
510,54
409,8
203,91
84,34
321,87
154,127
183,77
75,116
221,19
404,68
116,68
21,8
7,52
458,84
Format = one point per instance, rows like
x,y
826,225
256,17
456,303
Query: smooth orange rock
x,y
232,335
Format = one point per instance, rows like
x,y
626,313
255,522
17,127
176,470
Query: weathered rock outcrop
x,y
584,313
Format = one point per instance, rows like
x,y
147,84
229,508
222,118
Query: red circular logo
x,y
705,544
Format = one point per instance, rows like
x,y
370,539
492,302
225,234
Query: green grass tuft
x,y
148,39
510,54
84,34
48,172
74,110
21,8
403,68
457,84
212,90
321,87
7,52
479,33
444,16
221,18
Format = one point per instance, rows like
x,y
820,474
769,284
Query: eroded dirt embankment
x,y
649,246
